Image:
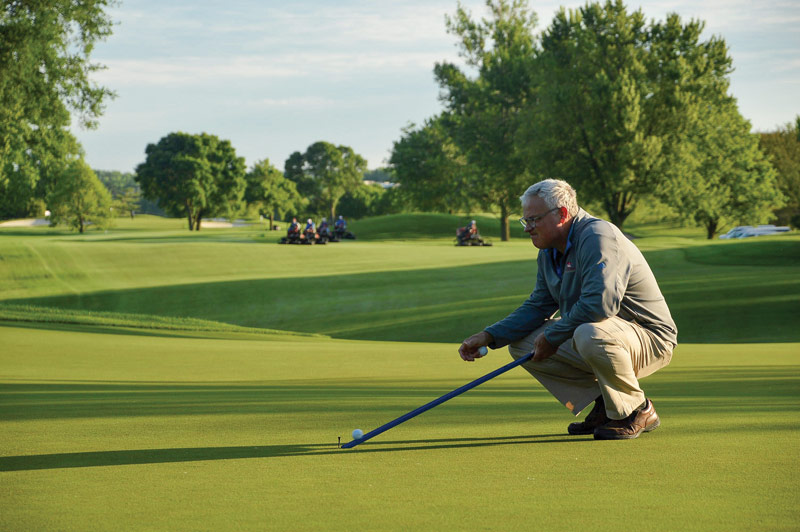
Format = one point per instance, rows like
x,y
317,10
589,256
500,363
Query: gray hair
x,y
555,193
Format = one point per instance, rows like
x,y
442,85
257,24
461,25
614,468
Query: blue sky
x,y
274,77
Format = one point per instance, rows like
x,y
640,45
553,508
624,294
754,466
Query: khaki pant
x,y
605,358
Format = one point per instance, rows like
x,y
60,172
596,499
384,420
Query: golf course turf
x,y
156,379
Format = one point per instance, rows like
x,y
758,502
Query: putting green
x,y
160,419
107,430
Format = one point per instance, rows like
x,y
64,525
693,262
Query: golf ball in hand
x,y
358,434
482,351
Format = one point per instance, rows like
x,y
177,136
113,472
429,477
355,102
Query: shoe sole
x,y
613,436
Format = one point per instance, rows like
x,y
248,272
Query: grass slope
x,y
423,291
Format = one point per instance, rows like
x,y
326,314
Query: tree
x,y
45,72
271,192
294,171
79,197
726,179
324,173
484,113
783,150
128,202
364,200
116,182
127,193
432,172
193,176
618,99
124,189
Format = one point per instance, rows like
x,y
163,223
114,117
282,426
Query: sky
x,y
275,77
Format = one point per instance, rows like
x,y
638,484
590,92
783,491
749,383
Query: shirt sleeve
x,y
604,271
527,318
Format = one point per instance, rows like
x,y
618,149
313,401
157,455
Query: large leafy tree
x,y
325,173
432,172
484,111
783,149
193,176
618,99
364,200
78,197
294,169
726,179
45,72
271,192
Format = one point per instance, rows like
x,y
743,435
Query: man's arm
x,y
527,317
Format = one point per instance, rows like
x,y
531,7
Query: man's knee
x,y
591,341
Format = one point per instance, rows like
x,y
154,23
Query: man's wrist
x,y
488,339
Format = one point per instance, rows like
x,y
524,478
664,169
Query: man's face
x,y
546,232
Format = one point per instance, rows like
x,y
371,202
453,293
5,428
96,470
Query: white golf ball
x,y
358,434
482,350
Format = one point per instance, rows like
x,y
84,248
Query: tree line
x,y
630,112
45,71
200,176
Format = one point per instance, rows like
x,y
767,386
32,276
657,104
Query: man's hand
x,y
469,347
542,348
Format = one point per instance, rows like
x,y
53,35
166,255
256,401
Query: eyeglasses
x,y
533,220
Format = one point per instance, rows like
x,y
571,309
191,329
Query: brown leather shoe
x,y
596,418
640,420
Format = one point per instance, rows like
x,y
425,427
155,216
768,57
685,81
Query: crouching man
x,y
614,327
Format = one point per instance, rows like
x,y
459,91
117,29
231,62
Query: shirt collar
x,y
554,251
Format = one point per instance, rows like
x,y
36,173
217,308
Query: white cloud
x,y
244,68
301,102
183,71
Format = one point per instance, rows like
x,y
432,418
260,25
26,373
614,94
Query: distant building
x,y
384,184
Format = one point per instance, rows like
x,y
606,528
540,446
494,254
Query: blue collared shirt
x,y
601,274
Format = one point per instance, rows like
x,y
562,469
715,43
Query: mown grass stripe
x,y
37,314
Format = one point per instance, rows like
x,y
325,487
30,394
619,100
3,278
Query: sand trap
x,y
221,223
206,224
215,225
26,222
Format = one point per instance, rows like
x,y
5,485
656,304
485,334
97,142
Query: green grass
x,y
392,290
51,315
427,226
152,379
107,431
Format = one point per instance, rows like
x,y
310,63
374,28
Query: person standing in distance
x,y
614,327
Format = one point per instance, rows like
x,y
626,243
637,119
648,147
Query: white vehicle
x,y
744,231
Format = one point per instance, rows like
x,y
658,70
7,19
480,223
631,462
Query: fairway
x,y
154,379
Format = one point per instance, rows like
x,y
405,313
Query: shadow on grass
x,y
74,400
733,398
746,388
200,454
